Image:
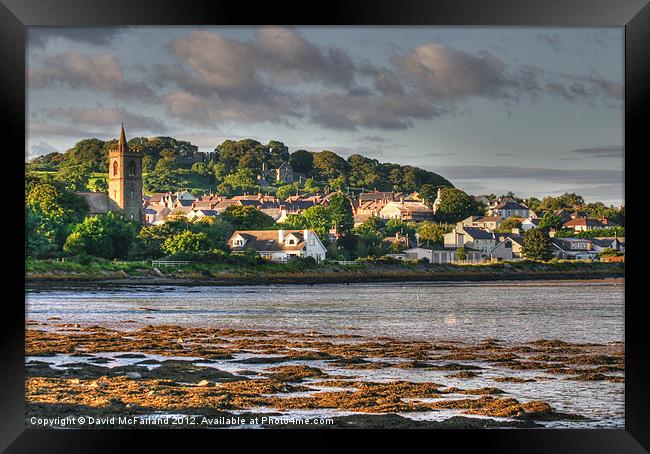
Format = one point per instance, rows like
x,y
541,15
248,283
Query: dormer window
x,y
291,241
238,242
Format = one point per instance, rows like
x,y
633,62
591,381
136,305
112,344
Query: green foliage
x,y
99,185
507,225
186,242
243,180
455,206
302,161
566,200
244,217
329,165
110,236
428,193
285,191
373,224
51,212
340,213
461,253
431,232
370,245
550,221
536,245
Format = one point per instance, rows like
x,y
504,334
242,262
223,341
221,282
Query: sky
x,y
536,111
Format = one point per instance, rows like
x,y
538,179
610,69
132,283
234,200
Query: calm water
x,y
574,312
514,312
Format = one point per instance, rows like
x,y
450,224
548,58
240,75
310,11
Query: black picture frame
x,y
634,15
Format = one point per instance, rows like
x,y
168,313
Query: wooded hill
x,y
232,168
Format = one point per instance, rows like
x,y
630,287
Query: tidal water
x,y
517,312
577,312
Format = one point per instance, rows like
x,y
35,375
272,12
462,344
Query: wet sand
x,y
355,380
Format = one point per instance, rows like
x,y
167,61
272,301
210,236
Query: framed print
x,y
375,218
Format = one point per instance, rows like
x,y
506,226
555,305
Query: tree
x,y
148,164
243,180
186,242
279,153
508,224
340,213
302,161
99,185
109,236
285,191
370,245
373,224
455,206
200,167
329,165
244,217
428,193
461,254
549,221
536,245
430,232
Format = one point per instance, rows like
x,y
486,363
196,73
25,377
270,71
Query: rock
x,y
205,383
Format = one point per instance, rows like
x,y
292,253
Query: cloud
x,y
551,39
505,154
576,176
444,73
612,151
41,149
291,58
97,36
44,129
106,117
586,87
102,72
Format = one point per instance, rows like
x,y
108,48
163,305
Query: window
x,y
312,242
291,241
114,168
131,169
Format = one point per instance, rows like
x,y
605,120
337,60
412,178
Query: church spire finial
x,y
122,144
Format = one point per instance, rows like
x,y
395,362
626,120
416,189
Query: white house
x,y
483,222
279,245
510,209
470,237
441,255
530,223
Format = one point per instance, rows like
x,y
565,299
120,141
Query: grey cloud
x,y
587,87
97,36
106,117
101,72
41,149
613,151
576,176
291,58
44,129
505,154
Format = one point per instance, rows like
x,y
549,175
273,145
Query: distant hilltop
x,y
235,167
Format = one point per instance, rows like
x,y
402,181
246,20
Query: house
x,y
509,247
483,222
573,248
441,255
406,211
471,237
198,214
599,244
279,245
530,223
283,174
583,223
510,209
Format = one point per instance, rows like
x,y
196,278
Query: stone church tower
x,y
125,179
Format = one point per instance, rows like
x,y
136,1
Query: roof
x,y
510,205
366,196
267,240
417,207
583,221
212,213
478,233
565,243
534,221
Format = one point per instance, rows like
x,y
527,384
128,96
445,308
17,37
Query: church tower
x,y
125,179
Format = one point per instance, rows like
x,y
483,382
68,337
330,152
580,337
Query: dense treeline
x,y
232,168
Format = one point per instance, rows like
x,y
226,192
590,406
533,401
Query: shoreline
x,y
339,277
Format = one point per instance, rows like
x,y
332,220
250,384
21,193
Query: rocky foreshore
x,y
212,374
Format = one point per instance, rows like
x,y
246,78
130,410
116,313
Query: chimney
x,y
305,234
281,236
401,200
551,232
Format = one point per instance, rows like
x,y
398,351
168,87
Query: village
x,y
476,234
497,234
